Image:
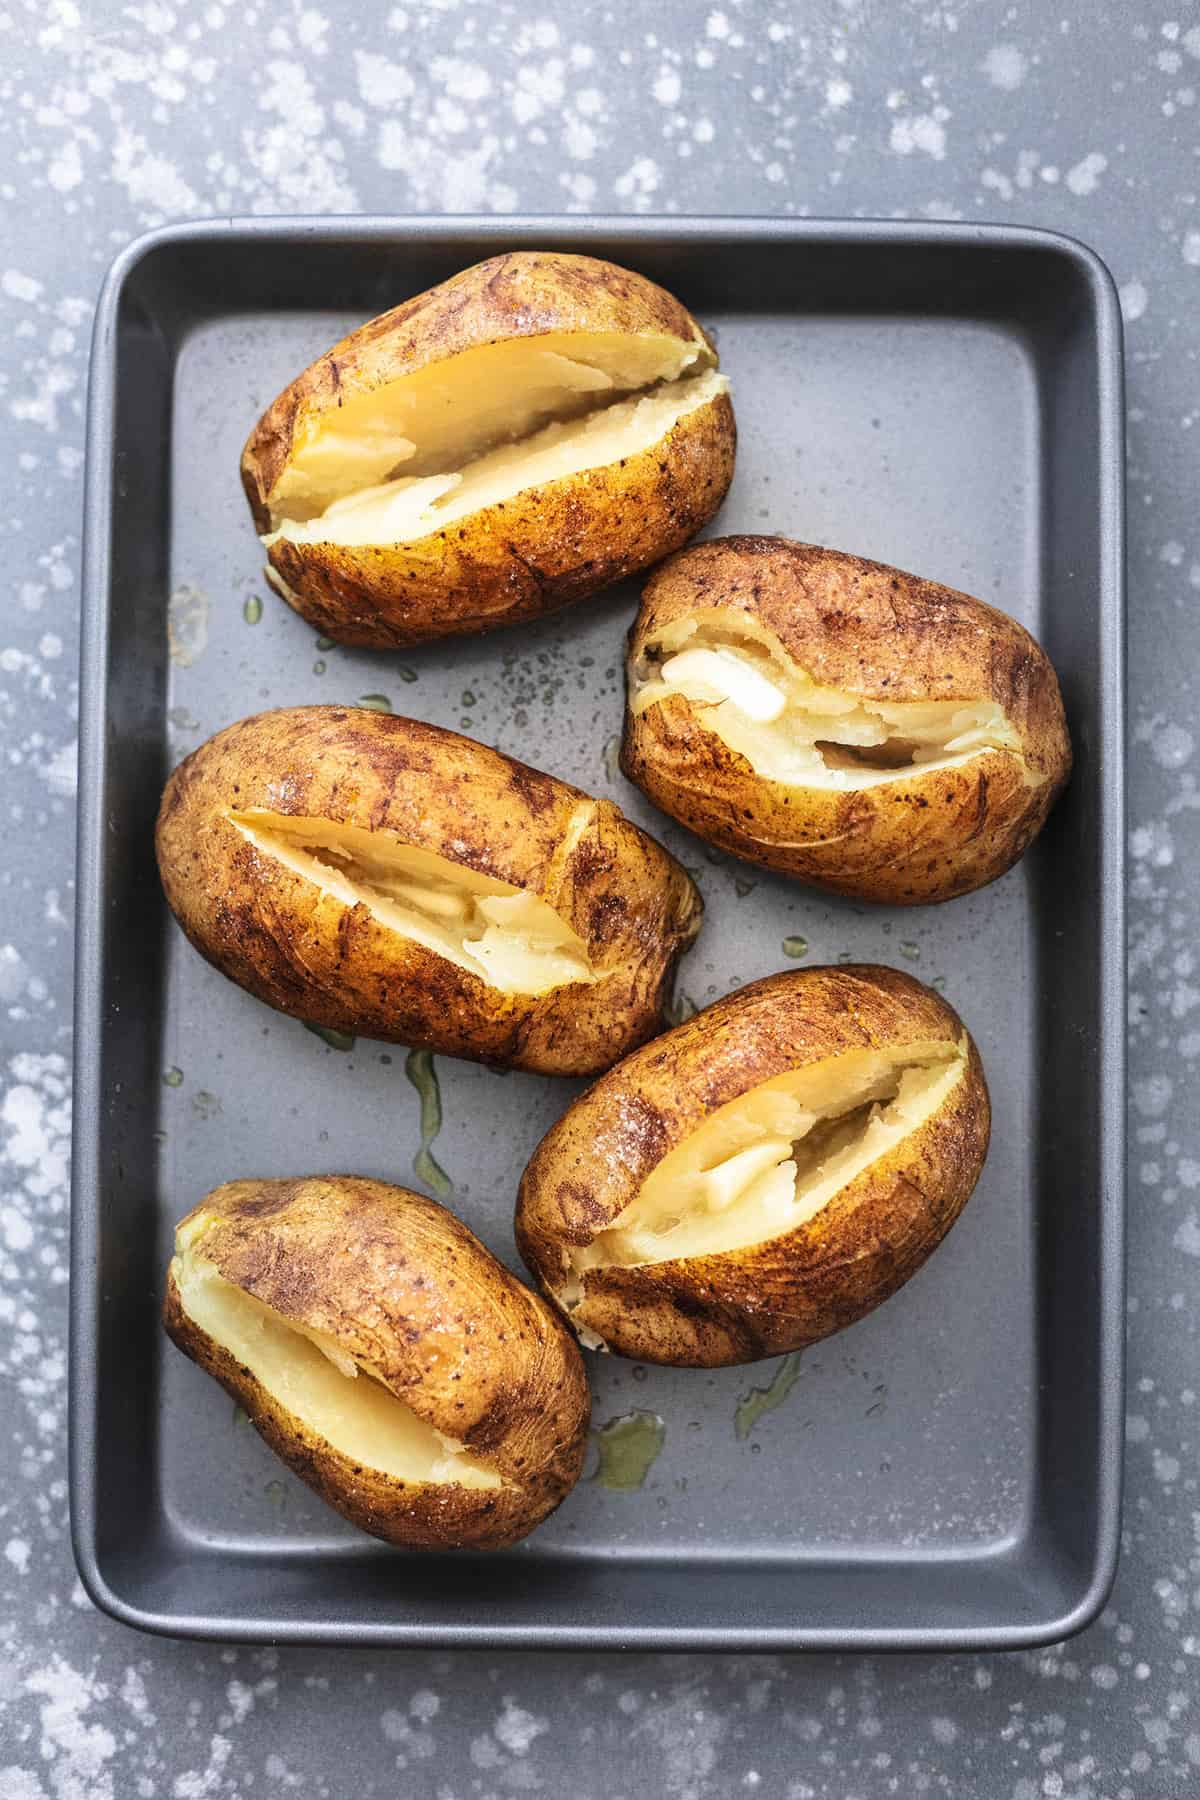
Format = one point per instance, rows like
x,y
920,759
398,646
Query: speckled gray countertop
x,y
118,117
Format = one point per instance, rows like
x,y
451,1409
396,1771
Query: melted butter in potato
x,y
413,456
316,1382
743,686
508,937
767,1162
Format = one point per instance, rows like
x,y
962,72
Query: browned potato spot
x,y
517,437
764,1174
839,721
400,1370
383,877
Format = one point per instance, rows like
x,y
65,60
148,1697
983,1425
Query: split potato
x,y
374,875
521,435
385,1355
840,721
764,1174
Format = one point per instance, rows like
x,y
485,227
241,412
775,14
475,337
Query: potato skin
x,y
548,545
881,634
307,954
739,1305
406,1289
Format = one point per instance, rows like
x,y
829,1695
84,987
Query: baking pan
x,y
946,1473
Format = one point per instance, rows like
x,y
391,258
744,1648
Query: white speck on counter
x,y
312,28
1005,66
65,170
668,87
1152,1095
155,187
424,1705
20,287
516,1729
201,1784
14,973
78,1749
381,83
639,183
36,1113
1134,300
133,1695
1187,1237
924,132
60,770
1166,1468
1084,178
1172,746
241,1700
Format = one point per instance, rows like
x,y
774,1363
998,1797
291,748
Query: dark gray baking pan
x,y
946,1473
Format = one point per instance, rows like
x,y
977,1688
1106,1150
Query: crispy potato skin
x,y
406,1289
304,952
546,546
759,1301
881,634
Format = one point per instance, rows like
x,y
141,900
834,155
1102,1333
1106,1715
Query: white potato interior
x,y
455,410
767,1162
410,507
743,686
508,937
317,1383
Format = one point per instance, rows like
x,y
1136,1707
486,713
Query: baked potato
x,y
519,436
840,721
374,875
762,1175
385,1355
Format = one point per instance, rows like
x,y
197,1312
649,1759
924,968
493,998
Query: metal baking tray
x,y
946,1473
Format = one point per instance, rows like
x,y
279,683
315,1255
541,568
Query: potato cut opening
x,y
454,411
742,685
316,1382
508,937
767,1162
419,453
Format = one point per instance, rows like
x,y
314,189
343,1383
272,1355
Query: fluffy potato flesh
x,y
409,458
317,1383
770,1160
743,686
510,938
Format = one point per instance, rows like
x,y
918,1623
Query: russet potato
x,y
375,875
519,436
764,1174
841,722
399,1369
